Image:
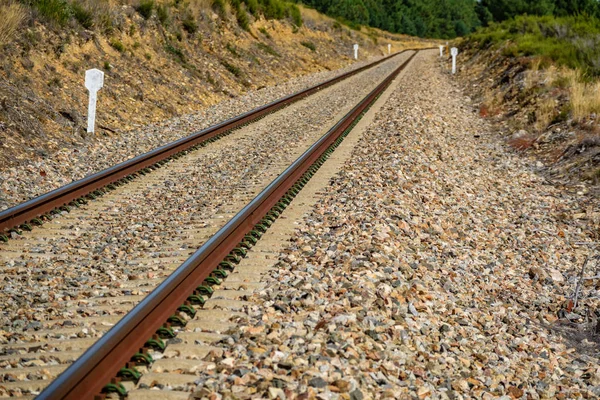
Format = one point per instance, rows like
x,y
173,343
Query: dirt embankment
x,y
154,72
533,104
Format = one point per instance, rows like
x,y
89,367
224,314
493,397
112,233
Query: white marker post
x,y
356,52
441,51
389,49
454,52
94,80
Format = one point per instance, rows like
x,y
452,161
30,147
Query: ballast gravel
x,y
32,179
438,265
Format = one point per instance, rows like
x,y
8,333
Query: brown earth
x,y
530,108
153,72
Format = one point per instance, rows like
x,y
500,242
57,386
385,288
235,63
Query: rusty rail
x,y
87,376
29,210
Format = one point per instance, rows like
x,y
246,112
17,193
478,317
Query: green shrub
x,y
162,12
309,45
117,45
242,18
253,6
145,8
569,41
82,15
293,12
264,31
219,7
273,9
189,24
177,52
232,49
57,11
231,68
107,66
267,49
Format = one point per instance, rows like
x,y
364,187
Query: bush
x,y
231,68
189,24
242,18
145,8
570,41
252,6
219,7
176,52
57,11
162,12
117,45
273,9
309,45
293,12
82,15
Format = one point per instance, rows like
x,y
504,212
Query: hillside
x,y
536,79
160,60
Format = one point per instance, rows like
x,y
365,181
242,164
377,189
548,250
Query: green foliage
x,y
82,15
267,49
309,45
117,45
242,18
107,66
232,49
273,9
57,11
145,8
293,12
231,68
253,6
570,41
176,51
162,12
189,23
444,18
264,31
219,7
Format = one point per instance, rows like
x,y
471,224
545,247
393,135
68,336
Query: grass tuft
x,y
117,45
268,49
13,14
231,68
145,8
309,45
189,23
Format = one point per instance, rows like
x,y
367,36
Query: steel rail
x,y
27,211
88,374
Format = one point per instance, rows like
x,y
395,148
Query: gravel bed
x,y
24,182
128,235
435,266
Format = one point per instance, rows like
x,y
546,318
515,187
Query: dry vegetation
x,y
161,59
11,16
545,107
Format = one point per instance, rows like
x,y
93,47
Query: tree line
x,y
444,18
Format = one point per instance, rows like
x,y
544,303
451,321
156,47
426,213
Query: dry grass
x,y
584,96
13,14
544,114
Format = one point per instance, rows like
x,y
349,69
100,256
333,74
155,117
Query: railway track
x,y
99,296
